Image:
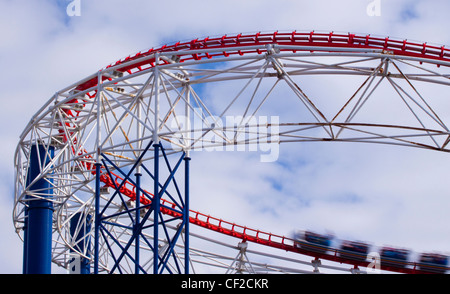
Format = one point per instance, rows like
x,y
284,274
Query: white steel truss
x,y
287,94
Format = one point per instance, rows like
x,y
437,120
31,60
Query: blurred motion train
x,y
360,251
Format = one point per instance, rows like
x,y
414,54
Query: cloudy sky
x,y
322,186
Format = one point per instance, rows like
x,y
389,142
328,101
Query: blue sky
x,y
44,50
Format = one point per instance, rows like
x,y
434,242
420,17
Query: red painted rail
x,y
236,45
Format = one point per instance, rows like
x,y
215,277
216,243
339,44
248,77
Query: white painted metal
x,y
159,103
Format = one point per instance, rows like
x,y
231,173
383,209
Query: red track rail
x,y
236,45
256,236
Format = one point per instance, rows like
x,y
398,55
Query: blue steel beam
x,y
156,208
39,213
186,214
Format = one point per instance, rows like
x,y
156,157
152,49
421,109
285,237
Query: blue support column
x,y
137,221
186,215
156,208
39,214
97,216
81,240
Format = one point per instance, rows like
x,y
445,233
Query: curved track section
x,y
234,92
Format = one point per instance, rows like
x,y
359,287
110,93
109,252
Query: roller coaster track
x,y
227,47
247,234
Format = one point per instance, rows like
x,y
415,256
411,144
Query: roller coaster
x,y
102,169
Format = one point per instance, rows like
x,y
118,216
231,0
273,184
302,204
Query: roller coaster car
x,y
354,250
312,241
394,257
433,263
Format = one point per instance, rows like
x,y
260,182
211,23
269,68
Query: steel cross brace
x,y
155,207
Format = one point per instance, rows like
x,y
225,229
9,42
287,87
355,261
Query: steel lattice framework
x,y
107,132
